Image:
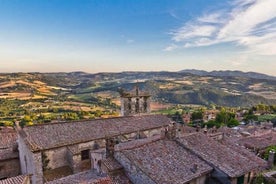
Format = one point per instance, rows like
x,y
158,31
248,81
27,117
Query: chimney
x,y
271,157
170,131
163,133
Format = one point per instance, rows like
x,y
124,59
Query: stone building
x,y
9,156
162,161
258,144
52,151
131,149
232,164
135,102
20,179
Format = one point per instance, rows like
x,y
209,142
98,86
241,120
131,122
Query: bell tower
x,y
135,102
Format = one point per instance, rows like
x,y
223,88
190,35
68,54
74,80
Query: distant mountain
x,y
229,73
227,88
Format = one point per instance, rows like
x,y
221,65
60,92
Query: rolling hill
x,y
226,88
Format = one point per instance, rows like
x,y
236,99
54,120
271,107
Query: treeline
x,y
223,118
63,116
263,109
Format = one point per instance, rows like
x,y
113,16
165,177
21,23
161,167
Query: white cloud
x,y
171,47
211,18
248,23
192,31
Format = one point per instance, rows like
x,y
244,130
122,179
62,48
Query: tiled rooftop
x,y
187,129
50,175
111,164
258,142
15,180
244,152
87,177
115,171
227,159
136,143
91,177
6,154
165,161
8,144
8,138
120,178
46,136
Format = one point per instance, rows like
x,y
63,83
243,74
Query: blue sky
x,y
138,35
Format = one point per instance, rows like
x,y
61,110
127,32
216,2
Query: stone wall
x,y
70,160
201,180
130,105
150,133
134,173
9,168
96,156
57,158
74,157
79,165
31,163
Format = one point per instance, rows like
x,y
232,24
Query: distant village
x,y
141,147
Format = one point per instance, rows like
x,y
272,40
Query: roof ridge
x,y
88,120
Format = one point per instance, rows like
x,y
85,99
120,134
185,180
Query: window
x,y
84,154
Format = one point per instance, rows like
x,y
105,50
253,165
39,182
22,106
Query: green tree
x,y
177,117
224,117
27,118
197,116
232,123
250,117
212,123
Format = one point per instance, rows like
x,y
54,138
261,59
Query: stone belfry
x,y
135,102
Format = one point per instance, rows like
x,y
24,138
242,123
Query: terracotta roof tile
x,y
244,152
6,154
87,177
46,136
224,157
111,164
15,180
8,139
136,143
8,144
165,161
91,177
258,142
50,175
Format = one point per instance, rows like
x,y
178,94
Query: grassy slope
x,y
168,87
